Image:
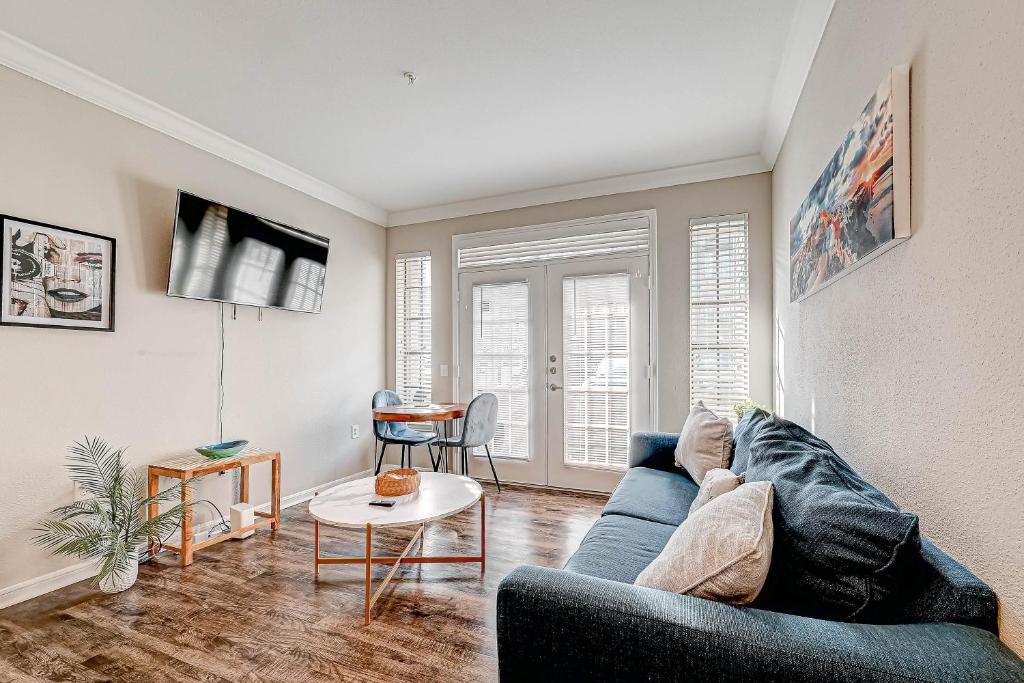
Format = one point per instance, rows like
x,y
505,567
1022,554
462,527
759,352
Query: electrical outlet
x,y
355,431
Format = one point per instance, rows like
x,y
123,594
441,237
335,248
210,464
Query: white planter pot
x,y
122,582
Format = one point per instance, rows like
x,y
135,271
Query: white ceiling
x,y
511,96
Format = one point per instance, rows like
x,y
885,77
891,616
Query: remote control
x,y
383,503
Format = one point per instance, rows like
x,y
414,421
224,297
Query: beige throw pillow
x,y
720,552
716,482
705,443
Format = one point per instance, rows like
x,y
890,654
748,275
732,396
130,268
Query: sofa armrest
x,y
560,625
653,449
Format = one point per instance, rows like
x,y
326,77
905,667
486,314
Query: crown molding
x,y
43,66
634,182
806,30
805,33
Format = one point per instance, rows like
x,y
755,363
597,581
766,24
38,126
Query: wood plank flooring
x,y
251,611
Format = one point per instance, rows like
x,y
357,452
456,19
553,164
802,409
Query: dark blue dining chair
x,y
399,433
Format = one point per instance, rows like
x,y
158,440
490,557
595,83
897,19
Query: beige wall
x,y
912,366
675,207
293,381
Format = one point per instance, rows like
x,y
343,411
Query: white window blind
x,y
719,313
628,236
595,340
412,328
501,361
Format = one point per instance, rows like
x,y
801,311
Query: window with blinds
x,y
719,313
595,340
412,328
501,362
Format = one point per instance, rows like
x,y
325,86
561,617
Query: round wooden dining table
x,y
435,412
441,414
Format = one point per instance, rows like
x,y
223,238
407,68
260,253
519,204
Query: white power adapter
x,y
243,515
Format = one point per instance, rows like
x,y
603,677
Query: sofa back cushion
x,y
841,547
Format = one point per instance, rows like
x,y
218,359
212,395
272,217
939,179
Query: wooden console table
x,y
192,466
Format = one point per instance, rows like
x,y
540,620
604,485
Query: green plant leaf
x,y
116,562
78,509
72,538
96,467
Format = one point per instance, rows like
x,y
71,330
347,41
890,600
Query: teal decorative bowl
x,y
222,450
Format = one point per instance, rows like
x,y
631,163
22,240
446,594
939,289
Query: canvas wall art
x,y
860,205
56,277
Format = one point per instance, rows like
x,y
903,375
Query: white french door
x,y
598,369
566,349
501,335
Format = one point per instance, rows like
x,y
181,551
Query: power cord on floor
x,y
224,527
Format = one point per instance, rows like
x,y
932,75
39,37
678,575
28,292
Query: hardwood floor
x,y
251,610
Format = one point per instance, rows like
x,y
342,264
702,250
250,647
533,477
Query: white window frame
x,y
698,223
578,226
398,325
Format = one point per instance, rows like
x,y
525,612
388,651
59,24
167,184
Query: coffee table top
x,y
440,495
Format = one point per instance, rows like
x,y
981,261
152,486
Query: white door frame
x,y
547,230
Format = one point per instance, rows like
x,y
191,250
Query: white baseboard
x,y
40,585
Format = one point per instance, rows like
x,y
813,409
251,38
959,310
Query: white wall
x,y
912,366
675,207
294,381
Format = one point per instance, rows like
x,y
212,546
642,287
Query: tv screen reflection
x,y
223,254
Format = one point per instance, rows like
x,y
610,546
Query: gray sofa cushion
x,y
654,495
618,548
840,544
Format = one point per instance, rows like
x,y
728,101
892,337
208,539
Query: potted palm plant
x,y
111,524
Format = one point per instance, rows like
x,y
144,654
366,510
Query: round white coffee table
x,y
348,506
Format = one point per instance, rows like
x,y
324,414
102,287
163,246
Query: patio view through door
x,y
566,349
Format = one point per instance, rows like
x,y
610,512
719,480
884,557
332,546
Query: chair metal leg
x,y
493,471
442,447
380,460
403,455
433,463
465,463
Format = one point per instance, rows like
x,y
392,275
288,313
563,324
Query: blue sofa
x,y
588,622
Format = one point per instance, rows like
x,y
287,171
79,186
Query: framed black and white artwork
x,y
56,277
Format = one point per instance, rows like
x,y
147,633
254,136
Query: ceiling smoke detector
x,y
410,77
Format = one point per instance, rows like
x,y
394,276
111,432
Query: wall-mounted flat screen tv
x,y
222,254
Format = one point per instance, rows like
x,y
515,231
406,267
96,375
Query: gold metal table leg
x,y
316,548
391,572
369,565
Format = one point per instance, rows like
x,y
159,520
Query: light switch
x,y
444,370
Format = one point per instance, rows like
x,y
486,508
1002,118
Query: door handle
x,y
555,387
